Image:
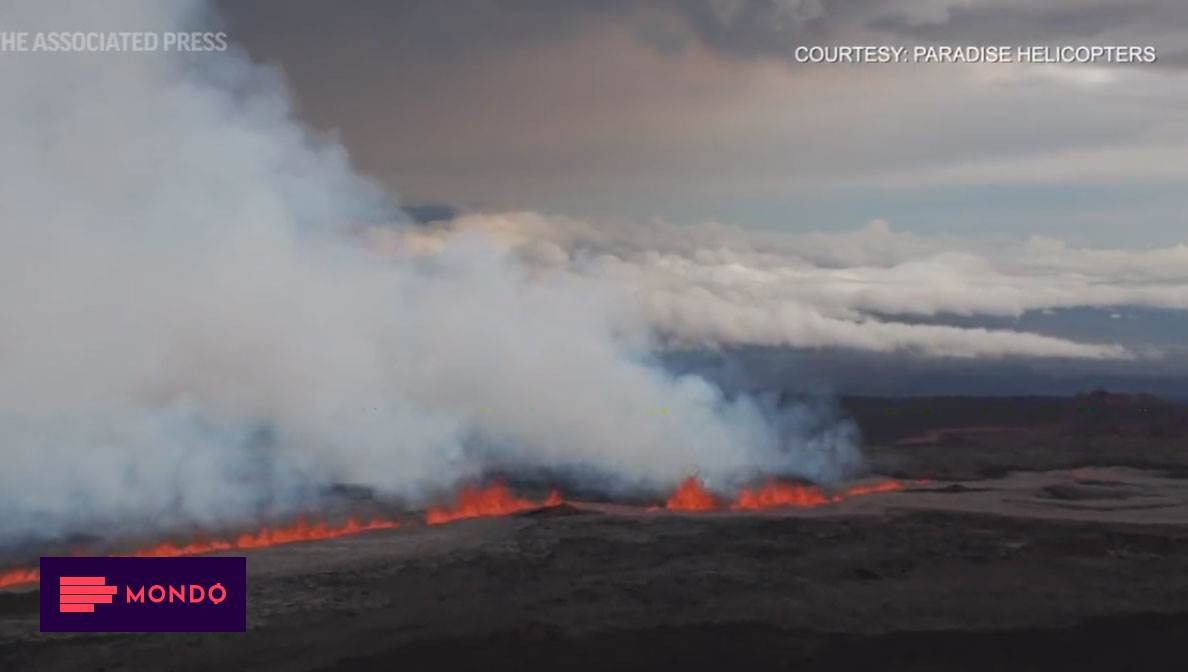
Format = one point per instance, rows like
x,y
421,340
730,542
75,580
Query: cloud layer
x,y
870,289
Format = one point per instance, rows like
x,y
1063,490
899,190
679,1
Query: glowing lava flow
x,y
872,488
493,500
774,494
691,495
15,577
554,499
267,536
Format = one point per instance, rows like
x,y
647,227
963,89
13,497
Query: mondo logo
x,y
192,594
80,594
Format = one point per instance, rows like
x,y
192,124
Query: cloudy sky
x,y
695,111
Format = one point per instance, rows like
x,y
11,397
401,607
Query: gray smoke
x,y
193,330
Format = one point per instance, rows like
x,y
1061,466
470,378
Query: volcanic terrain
x,y
1018,534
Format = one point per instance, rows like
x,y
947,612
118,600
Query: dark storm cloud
x,y
767,28
980,24
465,27
413,28
423,29
753,27
685,109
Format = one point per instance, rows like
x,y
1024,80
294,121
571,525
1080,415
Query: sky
x,y
695,111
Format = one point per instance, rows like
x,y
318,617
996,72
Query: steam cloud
x,y
193,330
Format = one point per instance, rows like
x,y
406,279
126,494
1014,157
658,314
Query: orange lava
x,y
15,577
493,500
691,495
267,536
774,494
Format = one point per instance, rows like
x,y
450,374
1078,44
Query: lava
x,y
493,500
266,536
872,488
774,494
691,495
15,577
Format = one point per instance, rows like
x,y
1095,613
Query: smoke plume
x,y
196,327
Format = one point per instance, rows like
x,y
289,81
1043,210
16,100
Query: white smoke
x,y
193,331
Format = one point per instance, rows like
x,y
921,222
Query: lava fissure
x,y
300,531
493,500
692,495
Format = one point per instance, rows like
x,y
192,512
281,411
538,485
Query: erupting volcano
x,y
494,500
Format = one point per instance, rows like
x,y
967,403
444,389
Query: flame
x,y
691,495
493,500
266,536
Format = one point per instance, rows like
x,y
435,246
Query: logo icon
x,y
80,594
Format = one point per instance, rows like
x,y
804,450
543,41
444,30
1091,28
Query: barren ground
x,y
1059,568
1078,567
